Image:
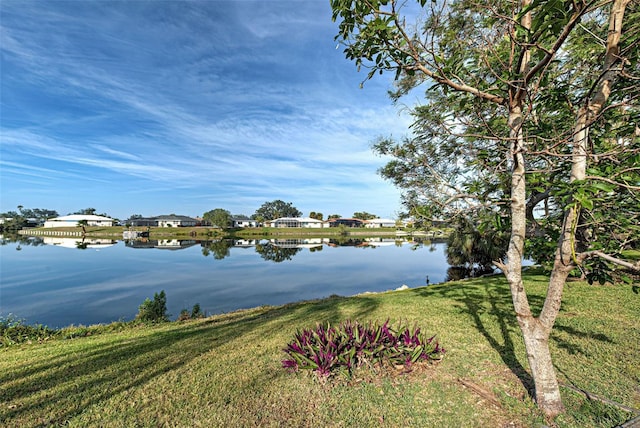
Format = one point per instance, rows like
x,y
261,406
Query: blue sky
x,y
158,107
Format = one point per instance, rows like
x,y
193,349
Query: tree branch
x,y
610,258
616,183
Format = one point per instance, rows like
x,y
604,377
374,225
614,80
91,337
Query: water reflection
x,y
277,250
456,273
161,244
80,243
55,285
275,253
33,241
218,249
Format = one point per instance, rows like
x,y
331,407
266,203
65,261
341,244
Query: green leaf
x,y
605,187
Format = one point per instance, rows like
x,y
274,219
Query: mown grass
x,y
226,371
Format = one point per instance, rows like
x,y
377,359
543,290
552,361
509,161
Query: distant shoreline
x,y
209,233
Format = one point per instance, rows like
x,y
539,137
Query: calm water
x,y
59,282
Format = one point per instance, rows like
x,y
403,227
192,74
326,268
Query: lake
x,y
63,281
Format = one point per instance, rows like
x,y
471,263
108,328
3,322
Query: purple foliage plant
x,y
327,350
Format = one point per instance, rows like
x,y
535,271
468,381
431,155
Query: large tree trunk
x,y
536,331
547,391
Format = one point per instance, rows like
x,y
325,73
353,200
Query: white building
x,y
380,222
307,222
73,220
241,222
173,220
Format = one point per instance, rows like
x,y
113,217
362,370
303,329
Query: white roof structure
x,y
80,217
381,220
73,219
295,222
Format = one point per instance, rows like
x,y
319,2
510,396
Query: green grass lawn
x,y
226,370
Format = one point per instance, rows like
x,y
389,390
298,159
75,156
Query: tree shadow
x,y
573,348
95,373
491,304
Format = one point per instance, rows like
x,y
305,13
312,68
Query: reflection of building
x,y
74,219
162,244
299,243
78,242
245,243
175,244
307,222
348,242
382,242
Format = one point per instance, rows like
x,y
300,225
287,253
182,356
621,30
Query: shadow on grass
x,y
488,305
55,390
573,348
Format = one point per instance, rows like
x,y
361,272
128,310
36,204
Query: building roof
x,y
300,219
174,217
80,217
381,220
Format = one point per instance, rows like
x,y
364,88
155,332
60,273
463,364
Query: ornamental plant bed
x,y
328,350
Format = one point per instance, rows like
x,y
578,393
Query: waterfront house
x,y
176,221
171,220
306,222
347,222
73,220
380,222
243,222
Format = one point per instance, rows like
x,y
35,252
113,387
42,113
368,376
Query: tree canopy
x,y
19,219
363,215
218,218
316,215
530,115
276,209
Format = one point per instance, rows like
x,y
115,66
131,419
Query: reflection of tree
x,y
21,240
456,273
219,249
268,251
347,242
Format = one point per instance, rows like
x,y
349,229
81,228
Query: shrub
x,y
196,312
154,310
184,315
13,330
327,350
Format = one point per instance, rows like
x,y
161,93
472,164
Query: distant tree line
x,y
16,220
219,217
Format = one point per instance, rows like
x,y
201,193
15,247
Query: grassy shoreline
x,y
225,370
248,233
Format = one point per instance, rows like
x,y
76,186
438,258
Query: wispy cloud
x,y
237,102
